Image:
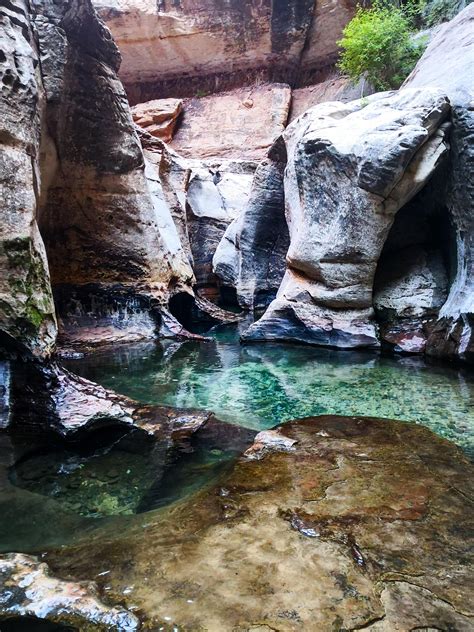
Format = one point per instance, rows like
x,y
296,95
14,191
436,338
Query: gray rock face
x,y
26,304
350,169
448,63
216,195
251,254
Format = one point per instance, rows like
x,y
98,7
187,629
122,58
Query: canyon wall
x,y
26,305
348,171
187,47
112,246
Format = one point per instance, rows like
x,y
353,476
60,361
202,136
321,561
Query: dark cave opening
x,y
228,298
181,306
32,624
415,270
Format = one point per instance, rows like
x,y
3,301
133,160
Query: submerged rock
x,y
363,523
29,592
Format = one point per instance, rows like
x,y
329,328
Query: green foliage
x,y
378,45
435,12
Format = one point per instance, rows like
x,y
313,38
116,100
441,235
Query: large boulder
x,y
158,117
350,169
448,64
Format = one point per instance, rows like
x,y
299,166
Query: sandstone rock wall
x,y
183,48
26,304
107,234
448,63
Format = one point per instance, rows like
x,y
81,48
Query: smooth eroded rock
x,y
29,592
341,523
350,168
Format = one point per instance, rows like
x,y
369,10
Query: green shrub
x,y
437,11
378,45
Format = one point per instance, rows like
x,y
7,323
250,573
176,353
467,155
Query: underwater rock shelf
x,y
325,523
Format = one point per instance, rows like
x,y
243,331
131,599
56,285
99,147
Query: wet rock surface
x,y
102,220
46,399
28,593
26,305
358,523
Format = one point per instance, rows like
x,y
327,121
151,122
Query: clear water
x,y
118,482
52,496
261,385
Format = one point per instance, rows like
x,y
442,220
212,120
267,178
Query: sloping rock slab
x,y
48,399
341,523
238,124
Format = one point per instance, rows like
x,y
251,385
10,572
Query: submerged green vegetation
x,y
261,385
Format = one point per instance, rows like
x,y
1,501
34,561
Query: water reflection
x,y
261,385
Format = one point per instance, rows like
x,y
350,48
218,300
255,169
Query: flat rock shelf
x,y
328,523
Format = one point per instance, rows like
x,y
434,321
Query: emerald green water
x,y
51,495
261,385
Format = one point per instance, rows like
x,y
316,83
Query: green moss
x,y
34,315
31,301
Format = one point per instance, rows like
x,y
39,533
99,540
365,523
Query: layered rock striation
x,y
193,46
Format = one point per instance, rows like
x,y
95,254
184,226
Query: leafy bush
x,y
437,11
377,44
